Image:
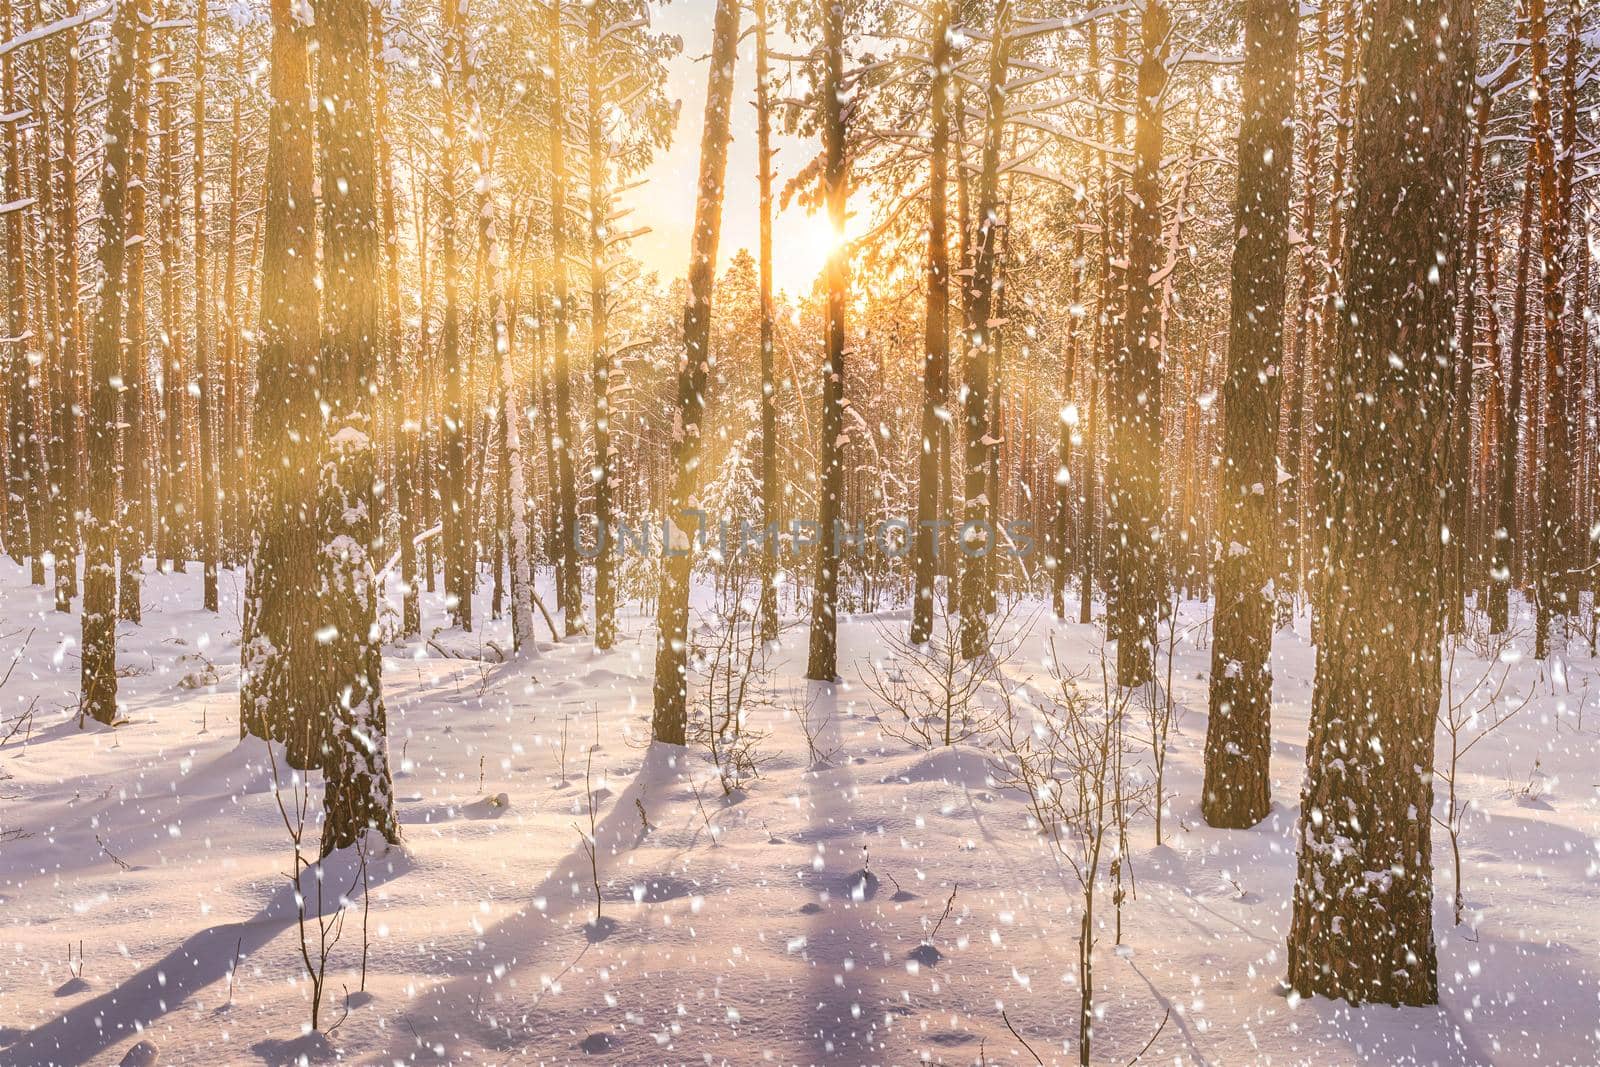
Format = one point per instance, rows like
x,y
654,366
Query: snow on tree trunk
x,y
358,790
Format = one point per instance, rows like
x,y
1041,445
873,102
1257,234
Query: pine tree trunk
x,y
771,487
459,563
283,694
31,530
1239,729
136,473
979,537
669,722
1134,473
358,791
73,346
203,297
1505,535
569,583
605,563
822,657
1362,927
99,684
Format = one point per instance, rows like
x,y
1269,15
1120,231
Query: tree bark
x,y
282,695
1362,926
822,659
669,721
1133,476
99,684
1239,729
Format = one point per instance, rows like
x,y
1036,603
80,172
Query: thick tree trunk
x,y
282,694
358,791
1362,927
1239,729
670,714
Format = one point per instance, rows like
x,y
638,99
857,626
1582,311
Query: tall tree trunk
x,y
508,428
771,487
1134,474
203,297
978,508
669,721
1505,534
1362,926
73,347
173,532
460,564
1555,584
137,461
822,658
400,375
1458,549
569,581
233,493
31,530
1239,729
282,694
358,793
99,684
605,563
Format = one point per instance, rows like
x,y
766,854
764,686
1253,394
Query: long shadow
x,y
87,1029
846,994
468,1007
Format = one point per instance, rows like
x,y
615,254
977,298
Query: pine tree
x,y
99,685
358,790
1133,476
1362,926
670,714
925,544
282,694
822,657
1239,731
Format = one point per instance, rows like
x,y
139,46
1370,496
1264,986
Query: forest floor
x,y
789,923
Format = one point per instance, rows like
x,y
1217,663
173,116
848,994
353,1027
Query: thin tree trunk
x,y
202,325
978,511
669,721
605,563
136,446
771,487
569,583
822,658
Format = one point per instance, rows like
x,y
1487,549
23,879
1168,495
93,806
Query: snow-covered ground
x,y
739,931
